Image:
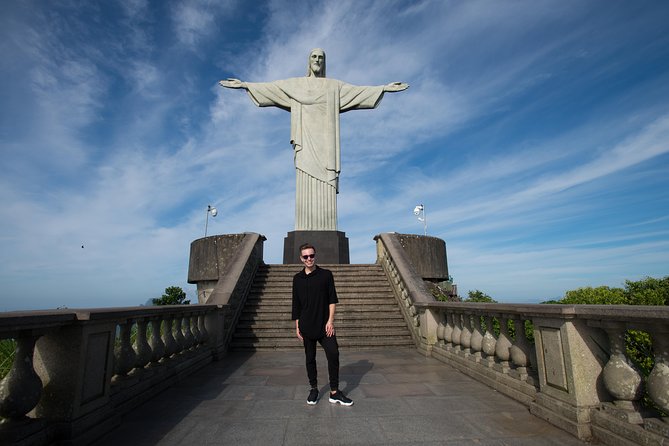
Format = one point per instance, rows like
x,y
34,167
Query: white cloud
x,y
198,20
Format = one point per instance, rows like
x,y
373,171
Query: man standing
x,y
314,301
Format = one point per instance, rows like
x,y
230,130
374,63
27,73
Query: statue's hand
x,y
232,83
395,86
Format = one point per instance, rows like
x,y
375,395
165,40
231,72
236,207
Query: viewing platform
x,y
400,398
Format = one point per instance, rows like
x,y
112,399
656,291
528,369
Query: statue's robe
x,y
315,104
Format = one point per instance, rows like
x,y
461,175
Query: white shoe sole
x,y
312,403
340,402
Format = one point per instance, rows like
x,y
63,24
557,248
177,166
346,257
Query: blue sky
x,y
536,134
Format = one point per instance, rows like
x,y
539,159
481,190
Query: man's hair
x,y
307,246
309,62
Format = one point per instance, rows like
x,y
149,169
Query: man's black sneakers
x,y
340,398
313,397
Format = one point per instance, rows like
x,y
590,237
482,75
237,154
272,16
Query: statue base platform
x,y
331,246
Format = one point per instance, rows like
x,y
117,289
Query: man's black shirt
x,y
312,295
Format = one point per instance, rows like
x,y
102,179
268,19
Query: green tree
x,y
602,295
479,296
174,295
648,291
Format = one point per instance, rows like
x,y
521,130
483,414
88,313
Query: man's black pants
x,y
331,349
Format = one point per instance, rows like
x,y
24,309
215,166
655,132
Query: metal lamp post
x,y
419,211
210,210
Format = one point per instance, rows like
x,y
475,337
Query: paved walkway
x,y
401,398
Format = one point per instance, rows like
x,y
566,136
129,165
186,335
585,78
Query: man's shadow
x,y
353,373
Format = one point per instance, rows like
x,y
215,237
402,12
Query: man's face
x,y
308,257
316,60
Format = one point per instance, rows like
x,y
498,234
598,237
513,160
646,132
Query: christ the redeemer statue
x,y
314,103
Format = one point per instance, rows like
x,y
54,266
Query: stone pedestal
x,y
217,262
427,255
331,246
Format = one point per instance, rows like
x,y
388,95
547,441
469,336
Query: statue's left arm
x,y
353,97
395,86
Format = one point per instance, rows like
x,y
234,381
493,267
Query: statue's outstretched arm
x,y
232,83
395,86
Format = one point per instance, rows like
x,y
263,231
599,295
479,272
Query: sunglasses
x,y
309,256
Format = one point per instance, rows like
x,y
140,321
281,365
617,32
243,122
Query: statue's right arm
x,y
232,83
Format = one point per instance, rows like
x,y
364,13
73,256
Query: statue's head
x,y
316,63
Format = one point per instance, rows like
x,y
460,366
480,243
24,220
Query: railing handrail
x,y
14,321
413,282
628,313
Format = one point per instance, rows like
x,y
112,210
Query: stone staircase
x,y
367,314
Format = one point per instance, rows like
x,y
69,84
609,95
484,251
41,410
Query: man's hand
x,y
329,329
395,86
232,83
297,329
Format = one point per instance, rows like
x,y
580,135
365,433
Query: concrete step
x,y
344,343
344,299
341,316
383,310
340,324
348,333
341,287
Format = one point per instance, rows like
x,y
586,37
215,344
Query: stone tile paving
x,y
401,398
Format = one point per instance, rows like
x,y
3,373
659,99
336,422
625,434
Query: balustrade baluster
x,y
178,334
503,345
620,378
440,328
521,350
466,334
489,342
204,334
142,347
404,294
21,388
405,297
124,354
195,330
457,331
658,380
157,345
477,338
189,340
168,337
448,330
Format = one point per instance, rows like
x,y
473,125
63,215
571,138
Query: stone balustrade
x,y
76,372
567,363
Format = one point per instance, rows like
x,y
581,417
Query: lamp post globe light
x,y
419,211
210,210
